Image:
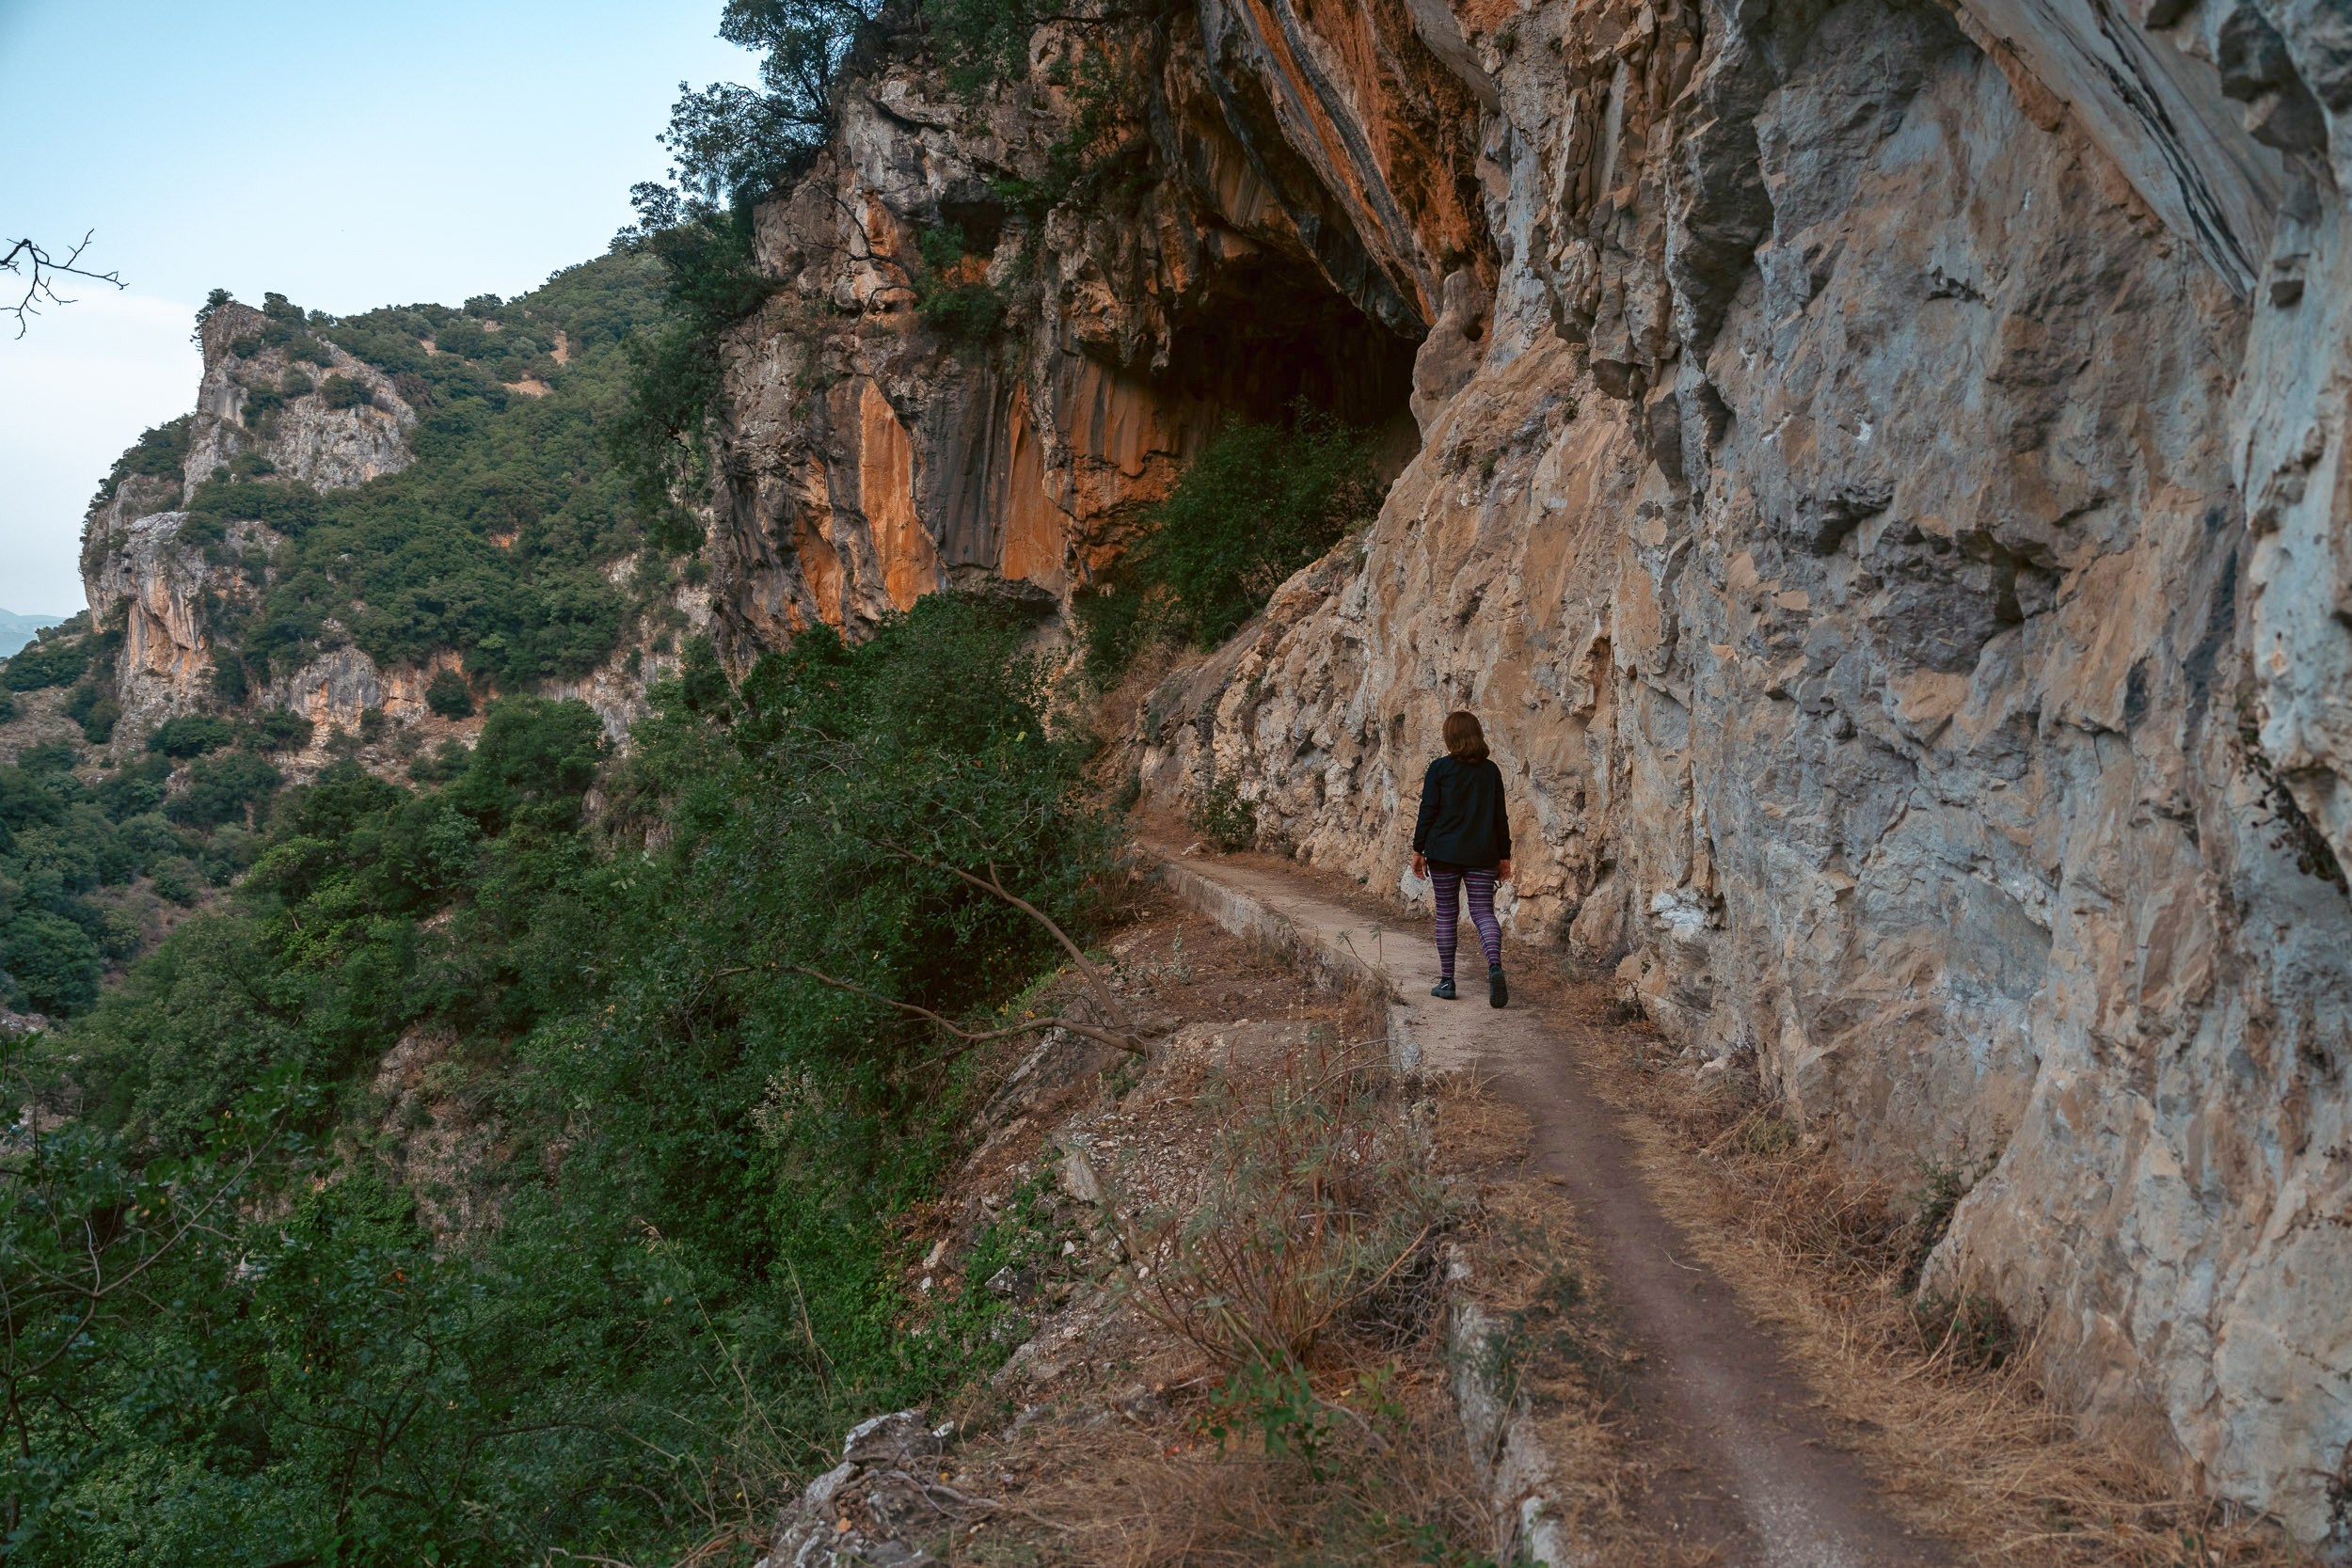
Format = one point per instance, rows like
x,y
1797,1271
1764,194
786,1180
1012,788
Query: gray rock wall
x,y
1895,536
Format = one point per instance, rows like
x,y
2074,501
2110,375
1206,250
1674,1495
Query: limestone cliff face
x,y
863,461
163,589
333,449
1880,479
136,568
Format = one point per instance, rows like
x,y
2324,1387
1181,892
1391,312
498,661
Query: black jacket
x,y
1462,820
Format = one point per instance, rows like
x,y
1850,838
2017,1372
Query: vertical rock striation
x,y
1880,477
1894,532
140,574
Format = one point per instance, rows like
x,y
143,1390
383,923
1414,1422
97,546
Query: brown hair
x,y
1463,740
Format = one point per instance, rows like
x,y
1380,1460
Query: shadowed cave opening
x,y
1271,331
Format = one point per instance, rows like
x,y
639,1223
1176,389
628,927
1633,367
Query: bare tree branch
x,y
40,272
1077,956
1126,1042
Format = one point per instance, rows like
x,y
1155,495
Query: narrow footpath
x,y
1750,1471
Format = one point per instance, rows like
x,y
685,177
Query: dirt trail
x,y
1758,1477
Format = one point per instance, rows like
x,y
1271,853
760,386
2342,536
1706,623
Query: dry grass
x,y
1400,1488
1940,1400
1282,1401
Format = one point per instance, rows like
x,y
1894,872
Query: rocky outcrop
x,y
142,575
163,587
864,459
1879,479
306,438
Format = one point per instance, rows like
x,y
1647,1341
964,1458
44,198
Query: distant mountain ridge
x,y
16,630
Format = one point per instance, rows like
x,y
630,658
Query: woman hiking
x,y
1463,842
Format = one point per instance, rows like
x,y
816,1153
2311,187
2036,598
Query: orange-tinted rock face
x,y
867,461
885,492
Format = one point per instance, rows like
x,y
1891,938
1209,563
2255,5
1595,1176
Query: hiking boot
x,y
1445,989
1497,991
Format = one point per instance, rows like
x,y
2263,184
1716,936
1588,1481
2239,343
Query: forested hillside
x,y
483,1175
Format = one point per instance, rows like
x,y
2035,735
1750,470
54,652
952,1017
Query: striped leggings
x,y
1480,885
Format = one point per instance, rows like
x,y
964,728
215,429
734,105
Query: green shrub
x,y
712,280
96,712
51,756
161,451
982,42
450,695
343,391
280,730
49,964
51,661
1260,503
967,313
134,790
244,345
177,880
446,763
232,786
1223,817
262,400
191,734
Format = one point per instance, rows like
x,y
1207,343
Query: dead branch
x,y
1126,1042
40,272
992,883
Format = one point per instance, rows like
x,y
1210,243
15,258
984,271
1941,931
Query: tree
x,y
733,144
88,1237
41,270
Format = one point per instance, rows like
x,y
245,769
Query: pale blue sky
x,y
346,156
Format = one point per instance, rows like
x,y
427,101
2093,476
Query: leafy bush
x,y
966,313
982,42
191,735
50,964
462,337
712,280
1260,503
96,712
450,695
177,880
262,400
447,762
229,787
1223,817
343,391
161,451
53,660
278,730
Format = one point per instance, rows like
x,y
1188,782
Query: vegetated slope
x,y
525,1188
360,501
281,608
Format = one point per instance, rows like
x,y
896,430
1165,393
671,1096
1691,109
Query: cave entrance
x,y
1270,331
